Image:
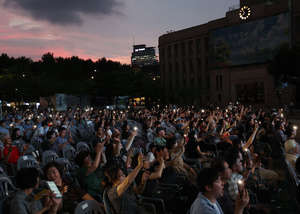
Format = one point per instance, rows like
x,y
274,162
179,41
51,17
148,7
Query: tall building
x,y
143,55
226,59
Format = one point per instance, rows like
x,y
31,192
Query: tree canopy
x,y
21,79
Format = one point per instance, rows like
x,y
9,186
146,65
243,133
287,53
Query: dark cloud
x,y
65,12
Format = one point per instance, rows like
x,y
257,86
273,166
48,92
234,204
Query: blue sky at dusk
x,y
97,28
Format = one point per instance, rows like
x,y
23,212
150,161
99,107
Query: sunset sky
x,y
97,28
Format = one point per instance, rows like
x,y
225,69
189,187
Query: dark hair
x,y
110,175
231,159
206,177
53,164
49,134
27,178
171,142
13,134
159,148
124,126
2,121
44,123
79,159
218,164
191,136
236,142
60,129
278,124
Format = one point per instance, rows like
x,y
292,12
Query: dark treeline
x,y
22,79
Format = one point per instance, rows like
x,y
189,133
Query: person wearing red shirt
x,y
10,153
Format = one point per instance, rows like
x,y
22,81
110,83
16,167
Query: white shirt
x,y
39,131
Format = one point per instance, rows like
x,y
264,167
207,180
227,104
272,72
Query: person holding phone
x,y
72,195
23,202
120,191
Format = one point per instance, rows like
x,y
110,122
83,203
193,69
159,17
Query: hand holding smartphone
x,y
52,186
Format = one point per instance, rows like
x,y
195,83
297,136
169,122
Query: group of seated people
x,y
230,152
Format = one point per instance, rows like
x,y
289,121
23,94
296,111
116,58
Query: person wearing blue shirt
x,y
61,140
3,129
211,187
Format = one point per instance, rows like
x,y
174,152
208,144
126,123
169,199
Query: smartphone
x,y
52,186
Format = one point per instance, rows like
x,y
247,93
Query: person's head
x,y
50,134
112,122
53,171
44,124
279,125
192,136
62,132
209,182
164,152
26,121
125,127
83,159
234,162
2,123
212,126
157,124
171,143
6,139
16,132
27,178
113,176
97,119
152,147
160,131
291,147
222,167
99,130
237,143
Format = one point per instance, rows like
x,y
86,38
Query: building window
x,y
200,83
183,66
220,81
177,83
183,48
199,64
176,49
191,46
177,67
191,65
208,82
217,82
199,45
250,93
184,82
170,68
219,97
169,51
171,86
200,100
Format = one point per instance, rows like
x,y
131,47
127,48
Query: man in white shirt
x,y
41,132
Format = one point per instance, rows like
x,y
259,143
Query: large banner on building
x,y
248,43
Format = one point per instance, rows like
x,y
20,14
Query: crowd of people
x,y
204,161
